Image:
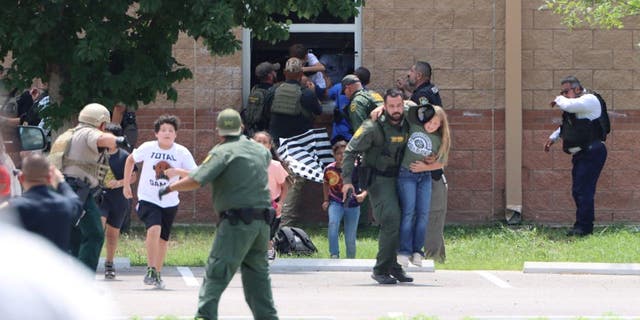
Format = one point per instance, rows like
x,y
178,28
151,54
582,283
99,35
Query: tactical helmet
x,y
94,114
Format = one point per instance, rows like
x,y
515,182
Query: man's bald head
x,y
35,169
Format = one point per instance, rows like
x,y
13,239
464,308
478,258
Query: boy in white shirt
x,y
163,162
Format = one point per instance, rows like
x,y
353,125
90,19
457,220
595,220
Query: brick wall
x,y
464,41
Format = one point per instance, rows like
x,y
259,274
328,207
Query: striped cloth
x,y
307,154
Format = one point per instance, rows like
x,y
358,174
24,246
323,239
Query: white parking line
x,y
493,279
188,277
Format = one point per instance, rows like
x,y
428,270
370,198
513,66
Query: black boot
x,y
383,278
400,275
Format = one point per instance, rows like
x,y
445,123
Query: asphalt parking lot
x,y
309,294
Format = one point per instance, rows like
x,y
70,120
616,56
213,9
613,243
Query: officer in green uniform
x,y
362,102
381,144
237,171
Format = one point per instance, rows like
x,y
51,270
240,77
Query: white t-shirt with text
x,y
154,161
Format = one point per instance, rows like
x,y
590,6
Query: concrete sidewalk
x,y
364,265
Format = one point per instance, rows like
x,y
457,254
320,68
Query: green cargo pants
x,y
386,211
241,246
434,238
87,238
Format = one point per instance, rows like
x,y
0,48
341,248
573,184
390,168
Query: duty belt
x,y
389,172
247,215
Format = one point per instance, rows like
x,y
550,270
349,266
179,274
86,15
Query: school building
x,y
498,64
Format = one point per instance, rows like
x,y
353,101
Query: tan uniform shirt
x,y
84,147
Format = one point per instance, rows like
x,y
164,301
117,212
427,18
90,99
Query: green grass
x,y
496,247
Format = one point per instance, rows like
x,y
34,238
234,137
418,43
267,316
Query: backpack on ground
x,y
603,120
292,240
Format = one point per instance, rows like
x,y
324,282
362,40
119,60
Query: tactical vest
x,y
59,157
578,132
385,155
286,100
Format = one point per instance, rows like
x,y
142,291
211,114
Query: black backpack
x,y
255,115
292,240
605,125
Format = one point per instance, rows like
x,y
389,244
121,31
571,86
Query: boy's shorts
x,y
153,215
114,206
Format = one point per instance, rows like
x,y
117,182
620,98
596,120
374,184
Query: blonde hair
x,y
445,135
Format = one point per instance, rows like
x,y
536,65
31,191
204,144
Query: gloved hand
x,y
164,190
122,142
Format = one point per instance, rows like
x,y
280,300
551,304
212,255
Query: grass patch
x,y
496,247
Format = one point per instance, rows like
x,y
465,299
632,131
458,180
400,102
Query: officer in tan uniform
x,y
237,171
80,153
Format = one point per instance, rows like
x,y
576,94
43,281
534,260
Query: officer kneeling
x,y
80,153
237,171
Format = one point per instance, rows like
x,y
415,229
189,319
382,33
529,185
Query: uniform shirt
x,y
277,176
154,161
369,140
237,171
586,106
84,148
49,213
419,145
361,106
426,93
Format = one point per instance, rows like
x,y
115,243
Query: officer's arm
x,y
185,184
361,141
107,140
435,99
357,113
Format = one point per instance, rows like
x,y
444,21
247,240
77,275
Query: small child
x,y
113,204
277,185
163,161
337,209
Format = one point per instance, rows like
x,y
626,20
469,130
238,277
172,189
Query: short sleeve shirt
x,y
155,161
238,172
277,176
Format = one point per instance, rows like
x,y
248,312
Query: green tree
x,y
120,50
604,14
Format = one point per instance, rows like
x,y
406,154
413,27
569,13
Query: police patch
x,y
434,89
352,107
423,101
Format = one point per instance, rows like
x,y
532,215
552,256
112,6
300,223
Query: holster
x,y
247,215
437,174
83,189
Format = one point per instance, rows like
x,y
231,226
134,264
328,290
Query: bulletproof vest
x,y
387,150
286,99
578,132
59,157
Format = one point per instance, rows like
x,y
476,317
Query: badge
x,y
423,101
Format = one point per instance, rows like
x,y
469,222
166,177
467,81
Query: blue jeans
x,y
351,217
414,193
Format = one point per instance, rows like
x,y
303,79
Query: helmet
x,y
94,114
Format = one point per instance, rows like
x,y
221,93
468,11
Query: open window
x,y
336,43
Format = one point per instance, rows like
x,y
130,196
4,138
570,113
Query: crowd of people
x,y
390,152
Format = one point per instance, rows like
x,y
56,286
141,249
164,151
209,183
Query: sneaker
x,y
383,279
401,276
150,277
109,270
416,259
334,256
271,254
158,283
403,260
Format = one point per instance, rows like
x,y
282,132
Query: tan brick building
x,y
495,85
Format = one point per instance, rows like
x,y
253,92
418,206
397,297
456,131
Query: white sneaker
x,y
403,260
416,259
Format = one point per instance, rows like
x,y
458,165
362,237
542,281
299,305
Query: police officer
x,y
80,152
49,212
361,101
581,135
381,144
426,92
237,171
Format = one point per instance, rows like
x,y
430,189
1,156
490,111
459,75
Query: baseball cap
x,y
229,123
293,65
421,114
349,79
265,68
